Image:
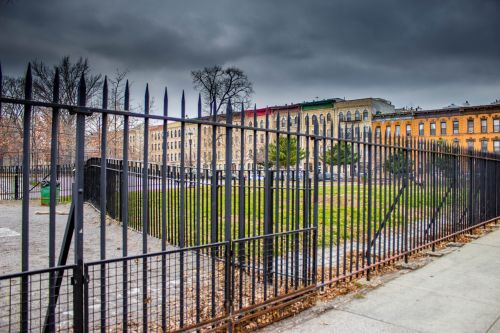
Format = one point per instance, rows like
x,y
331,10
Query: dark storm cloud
x,y
423,52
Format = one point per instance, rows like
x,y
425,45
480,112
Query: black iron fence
x,y
291,210
251,187
11,181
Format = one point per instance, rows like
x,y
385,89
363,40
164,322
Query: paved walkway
x,y
459,292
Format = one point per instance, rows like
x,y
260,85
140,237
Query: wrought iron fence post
x,y
434,194
16,183
471,182
406,198
369,212
78,277
268,226
28,88
268,204
121,177
315,200
228,279
228,207
454,195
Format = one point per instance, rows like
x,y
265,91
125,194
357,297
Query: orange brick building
x,y
475,127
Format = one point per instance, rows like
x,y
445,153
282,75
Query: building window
x,y
341,116
283,122
408,130
455,127
484,146
348,133
470,126
321,119
443,128
388,132
484,125
348,117
421,129
365,115
262,124
433,128
341,133
470,145
357,116
377,132
496,146
397,131
328,117
496,125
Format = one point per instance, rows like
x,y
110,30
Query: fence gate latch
x,y
85,279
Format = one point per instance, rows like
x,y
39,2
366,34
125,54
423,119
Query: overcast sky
x,y
424,52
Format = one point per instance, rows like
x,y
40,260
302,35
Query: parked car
x,y
257,176
324,176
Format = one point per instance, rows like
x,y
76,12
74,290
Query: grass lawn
x,y
342,209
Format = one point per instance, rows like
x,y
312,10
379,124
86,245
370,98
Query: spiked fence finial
x,y
28,84
126,105
105,93
199,105
55,87
183,105
146,100
165,102
82,91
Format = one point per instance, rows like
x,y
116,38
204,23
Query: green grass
x,y
342,210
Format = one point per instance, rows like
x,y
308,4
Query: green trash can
x,y
45,192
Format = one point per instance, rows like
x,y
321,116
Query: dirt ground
x,y
10,236
138,290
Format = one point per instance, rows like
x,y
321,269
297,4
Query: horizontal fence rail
x,y
230,213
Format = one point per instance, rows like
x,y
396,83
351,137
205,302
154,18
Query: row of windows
x,y
170,145
295,120
261,124
357,116
260,138
177,157
484,145
442,127
456,128
171,134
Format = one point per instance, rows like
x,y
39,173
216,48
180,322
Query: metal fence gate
x,y
217,246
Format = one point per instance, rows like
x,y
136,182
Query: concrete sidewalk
x,y
459,292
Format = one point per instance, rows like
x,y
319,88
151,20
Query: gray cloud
x,y
424,52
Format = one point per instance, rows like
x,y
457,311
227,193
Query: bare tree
x,y
117,98
11,127
11,121
222,84
70,74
